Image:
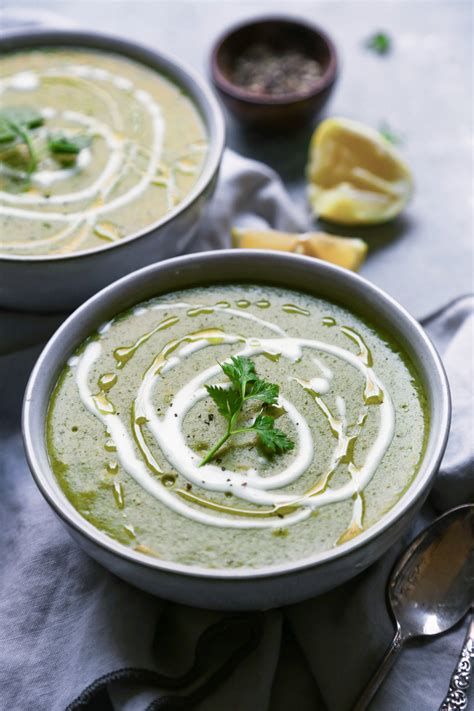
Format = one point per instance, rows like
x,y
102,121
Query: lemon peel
x,y
347,252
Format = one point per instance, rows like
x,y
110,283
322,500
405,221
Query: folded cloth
x,y
453,331
74,636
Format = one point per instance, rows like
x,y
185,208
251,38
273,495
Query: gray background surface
x,y
423,90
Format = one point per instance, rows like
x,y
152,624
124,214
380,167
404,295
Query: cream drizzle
x,y
250,486
22,205
135,466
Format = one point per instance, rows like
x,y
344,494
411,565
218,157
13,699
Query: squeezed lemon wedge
x,y
356,176
347,252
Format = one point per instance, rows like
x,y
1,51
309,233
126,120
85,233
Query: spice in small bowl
x,y
274,72
263,70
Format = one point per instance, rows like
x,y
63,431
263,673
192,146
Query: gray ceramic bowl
x,y
60,283
243,588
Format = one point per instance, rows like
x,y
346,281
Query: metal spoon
x,y
431,587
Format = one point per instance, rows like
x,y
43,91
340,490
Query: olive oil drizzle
x,y
222,508
118,495
345,437
200,310
344,451
373,395
293,309
364,352
124,353
137,432
356,526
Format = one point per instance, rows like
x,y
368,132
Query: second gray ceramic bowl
x,y
62,282
241,588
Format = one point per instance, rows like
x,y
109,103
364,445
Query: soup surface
x,y
131,421
93,147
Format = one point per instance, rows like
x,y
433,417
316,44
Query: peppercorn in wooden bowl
x,y
274,72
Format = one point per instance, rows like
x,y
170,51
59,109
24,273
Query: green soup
x,y
131,420
112,147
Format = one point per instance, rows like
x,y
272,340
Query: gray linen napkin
x,y
65,622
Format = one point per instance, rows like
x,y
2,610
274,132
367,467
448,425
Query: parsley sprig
x,y
389,134
245,385
16,123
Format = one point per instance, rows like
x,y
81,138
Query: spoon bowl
x,y
432,585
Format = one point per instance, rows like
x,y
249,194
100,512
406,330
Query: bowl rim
x,y
50,489
223,84
177,72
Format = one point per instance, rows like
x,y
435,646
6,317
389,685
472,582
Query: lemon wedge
x,y
347,252
356,176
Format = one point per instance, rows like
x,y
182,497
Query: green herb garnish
x,y
246,385
68,144
379,43
16,122
389,134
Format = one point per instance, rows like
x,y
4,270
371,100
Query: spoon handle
x,y
456,697
381,672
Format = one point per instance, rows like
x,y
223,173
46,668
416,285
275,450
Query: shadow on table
x,y
286,153
376,236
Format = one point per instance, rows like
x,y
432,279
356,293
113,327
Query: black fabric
x,y
233,638
293,684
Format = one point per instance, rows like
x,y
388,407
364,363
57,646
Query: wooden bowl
x,y
279,111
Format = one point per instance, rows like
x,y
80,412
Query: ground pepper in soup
x,y
328,422
94,147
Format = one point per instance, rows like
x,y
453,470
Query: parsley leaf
x,y
69,144
240,371
16,122
246,385
266,392
227,401
380,43
273,439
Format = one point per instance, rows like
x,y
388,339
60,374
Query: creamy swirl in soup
x,y
94,147
131,420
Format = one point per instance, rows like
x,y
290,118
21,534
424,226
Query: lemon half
x,y
355,175
347,252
